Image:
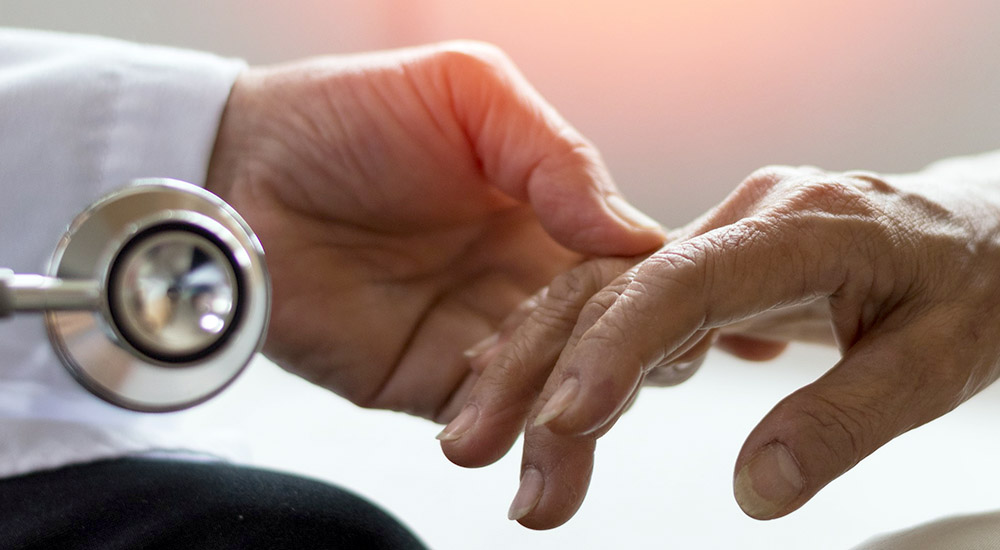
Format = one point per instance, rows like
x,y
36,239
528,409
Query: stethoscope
x,y
156,298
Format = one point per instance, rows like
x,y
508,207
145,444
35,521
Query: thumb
x,y
532,154
885,385
579,204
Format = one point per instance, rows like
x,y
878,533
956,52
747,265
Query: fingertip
x,y
476,450
819,432
469,455
482,433
581,406
459,440
583,418
619,229
529,492
548,499
564,466
460,424
769,483
561,400
751,349
593,218
635,220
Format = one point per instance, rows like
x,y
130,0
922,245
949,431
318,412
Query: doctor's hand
x,y
407,202
903,267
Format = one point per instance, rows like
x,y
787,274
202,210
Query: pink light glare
x,y
691,95
695,94
698,56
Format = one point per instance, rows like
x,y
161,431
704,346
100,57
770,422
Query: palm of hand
x,y
390,252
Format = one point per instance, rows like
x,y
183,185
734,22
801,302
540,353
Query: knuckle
x,y
871,180
612,334
511,369
681,267
552,318
737,235
471,56
730,263
676,258
955,375
583,281
577,283
597,306
763,180
845,427
525,308
615,333
829,195
760,184
747,196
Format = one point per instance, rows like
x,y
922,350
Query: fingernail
x,y
769,482
460,424
528,494
559,402
631,214
482,346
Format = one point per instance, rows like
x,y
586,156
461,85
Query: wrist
x,y
232,162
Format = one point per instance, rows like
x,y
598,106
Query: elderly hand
x,y
905,268
408,201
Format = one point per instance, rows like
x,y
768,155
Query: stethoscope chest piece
x,y
180,296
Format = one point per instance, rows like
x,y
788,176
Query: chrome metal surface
x,y
188,296
173,294
41,293
6,298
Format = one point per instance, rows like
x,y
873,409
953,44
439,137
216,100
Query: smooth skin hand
x,y
902,271
408,201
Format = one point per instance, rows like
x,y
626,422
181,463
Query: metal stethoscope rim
x,y
97,338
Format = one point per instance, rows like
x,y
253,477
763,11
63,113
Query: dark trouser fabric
x,y
157,504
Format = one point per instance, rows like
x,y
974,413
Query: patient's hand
x,y
516,363
904,267
515,368
408,201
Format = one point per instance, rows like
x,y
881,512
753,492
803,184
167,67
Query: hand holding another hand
x,y
408,201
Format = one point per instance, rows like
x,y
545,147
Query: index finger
x,y
711,280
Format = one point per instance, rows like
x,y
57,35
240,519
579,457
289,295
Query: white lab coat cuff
x,y
79,117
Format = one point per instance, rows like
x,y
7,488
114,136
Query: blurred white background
x,y
684,97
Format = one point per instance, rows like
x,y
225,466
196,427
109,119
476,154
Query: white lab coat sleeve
x,y
80,116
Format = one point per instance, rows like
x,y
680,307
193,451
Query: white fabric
x,y
972,532
80,116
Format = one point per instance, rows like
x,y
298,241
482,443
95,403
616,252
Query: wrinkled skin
x,y
900,272
407,202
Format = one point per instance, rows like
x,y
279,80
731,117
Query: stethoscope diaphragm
x,y
156,298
